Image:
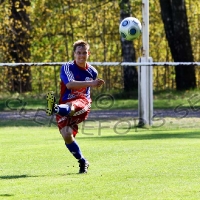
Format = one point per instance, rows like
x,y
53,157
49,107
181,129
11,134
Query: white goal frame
x,y
145,74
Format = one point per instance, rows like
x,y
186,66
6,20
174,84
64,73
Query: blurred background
x,y
45,30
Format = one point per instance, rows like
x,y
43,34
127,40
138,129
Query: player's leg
x,y
62,109
68,134
74,107
68,127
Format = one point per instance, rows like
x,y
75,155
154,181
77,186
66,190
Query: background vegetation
x,y
53,26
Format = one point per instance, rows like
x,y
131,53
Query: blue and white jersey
x,y
70,71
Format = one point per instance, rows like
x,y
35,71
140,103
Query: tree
x,y
19,45
174,17
56,24
128,53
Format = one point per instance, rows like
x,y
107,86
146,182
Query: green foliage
x,y
55,25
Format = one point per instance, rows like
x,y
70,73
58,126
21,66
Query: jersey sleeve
x,y
94,72
66,74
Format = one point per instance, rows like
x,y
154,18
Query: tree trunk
x,y
174,17
128,53
19,45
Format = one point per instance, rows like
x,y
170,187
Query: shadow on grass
x,y
27,123
14,176
147,136
6,195
10,177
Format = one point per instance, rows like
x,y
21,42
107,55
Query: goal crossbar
x,y
105,64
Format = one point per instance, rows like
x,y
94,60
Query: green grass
x,y
160,163
164,100
139,164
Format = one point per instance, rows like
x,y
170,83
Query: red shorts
x,y
82,109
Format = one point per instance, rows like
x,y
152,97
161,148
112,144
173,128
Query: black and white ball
x,y
130,28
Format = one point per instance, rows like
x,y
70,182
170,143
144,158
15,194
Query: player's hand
x,y
98,82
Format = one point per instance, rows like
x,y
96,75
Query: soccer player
x,y
77,77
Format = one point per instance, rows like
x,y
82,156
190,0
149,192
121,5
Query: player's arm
x,y
83,84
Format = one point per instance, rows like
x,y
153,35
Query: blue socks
x,y
75,150
62,109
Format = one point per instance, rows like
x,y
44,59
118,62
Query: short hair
x,y
81,43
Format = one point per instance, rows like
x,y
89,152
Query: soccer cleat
x,y
83,166
50,103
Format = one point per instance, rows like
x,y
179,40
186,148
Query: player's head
x,y
81,43
81,52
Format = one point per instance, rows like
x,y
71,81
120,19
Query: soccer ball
x,y
130,28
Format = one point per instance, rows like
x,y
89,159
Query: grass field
x,y
164,100
126,163
139,164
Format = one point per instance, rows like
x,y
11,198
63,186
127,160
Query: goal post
x,y
145,75
145,93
